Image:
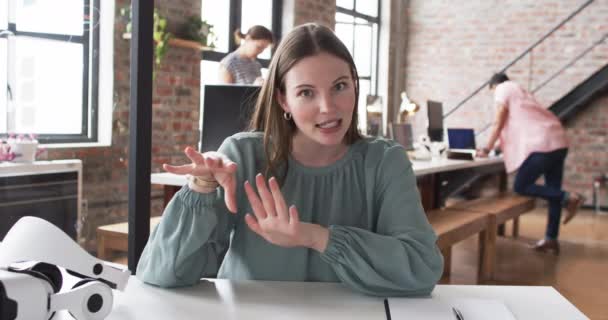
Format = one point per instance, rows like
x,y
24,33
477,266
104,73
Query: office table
x,y
268,300
427,173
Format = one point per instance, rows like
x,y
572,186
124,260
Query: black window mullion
x,y
234,22
357,14
277,21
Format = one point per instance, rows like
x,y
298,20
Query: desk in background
x,y
431,176
269,300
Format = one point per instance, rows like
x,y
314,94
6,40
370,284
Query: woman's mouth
x,y
329,126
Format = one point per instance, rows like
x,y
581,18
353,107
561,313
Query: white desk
x,y
225,299
420,168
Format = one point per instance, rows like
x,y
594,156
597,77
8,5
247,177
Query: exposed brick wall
x,y
588,153
453,49
297,12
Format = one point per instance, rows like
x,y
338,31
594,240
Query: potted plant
x,y
161,36
198,30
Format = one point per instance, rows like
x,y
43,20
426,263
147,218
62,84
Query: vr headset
x,y
32,283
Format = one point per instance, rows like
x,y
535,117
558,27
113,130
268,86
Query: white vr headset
x,y
35,292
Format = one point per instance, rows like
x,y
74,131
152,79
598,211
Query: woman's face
x,y
255,47
320,95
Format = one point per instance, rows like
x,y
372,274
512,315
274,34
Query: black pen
x,y
457,313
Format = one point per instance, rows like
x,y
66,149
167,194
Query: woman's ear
x,y
282,100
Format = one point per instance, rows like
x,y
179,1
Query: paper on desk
x,y
426,308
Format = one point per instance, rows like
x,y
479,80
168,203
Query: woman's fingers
x,y
182,169
253,224
265,195
294,216
229,186
254,200
277,196
194,155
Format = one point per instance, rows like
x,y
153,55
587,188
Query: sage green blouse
x,y
380,240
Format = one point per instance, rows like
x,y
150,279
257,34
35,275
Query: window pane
x,y
345,33
3,84
346,4
368,7
3,14
43,16
363,48
341,17
217,13
209,72
364,86
46,102
257,12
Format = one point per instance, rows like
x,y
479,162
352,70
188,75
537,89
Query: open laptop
x,y
461,143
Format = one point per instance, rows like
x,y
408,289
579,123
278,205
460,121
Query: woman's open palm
x,y
210,166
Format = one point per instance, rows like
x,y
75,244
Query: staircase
x,y
581,96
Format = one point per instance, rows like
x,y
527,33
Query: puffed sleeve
x,y
400,257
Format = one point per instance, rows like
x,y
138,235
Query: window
x,y
359,20
49,69
226,17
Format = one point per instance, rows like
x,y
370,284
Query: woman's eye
x,y
305,93
340,86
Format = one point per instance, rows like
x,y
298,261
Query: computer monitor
x,y
461,138
402,133
226,110
435,114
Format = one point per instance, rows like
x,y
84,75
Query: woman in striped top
x,y
241,66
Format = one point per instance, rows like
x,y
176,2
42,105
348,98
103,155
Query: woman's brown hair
x,y
256,32
303,41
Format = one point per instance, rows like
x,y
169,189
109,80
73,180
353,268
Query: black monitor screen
x,y
226,110
435,114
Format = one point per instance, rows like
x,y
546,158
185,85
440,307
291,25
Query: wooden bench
x,y
116,237
453,226
499,209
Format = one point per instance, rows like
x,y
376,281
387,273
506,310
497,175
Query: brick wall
x,y
588,153
453,49
319,11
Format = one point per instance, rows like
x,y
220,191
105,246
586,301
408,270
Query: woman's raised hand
x,y
277,223
210,166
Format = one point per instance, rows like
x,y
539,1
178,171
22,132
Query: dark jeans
x,y
551,166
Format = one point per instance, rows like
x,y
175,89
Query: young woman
x,y
241,66
303,196
534,143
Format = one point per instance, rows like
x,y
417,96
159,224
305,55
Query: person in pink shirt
x,y
534,143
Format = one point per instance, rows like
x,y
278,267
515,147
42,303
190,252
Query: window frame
x,y
90,78
234,22
374,65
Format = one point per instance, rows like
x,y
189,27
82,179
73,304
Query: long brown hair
x,y
303,41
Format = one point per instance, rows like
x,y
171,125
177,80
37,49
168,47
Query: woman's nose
x,y
325,103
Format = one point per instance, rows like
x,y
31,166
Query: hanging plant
x,y
160,34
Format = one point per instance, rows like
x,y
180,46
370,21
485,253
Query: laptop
x,y
461,143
